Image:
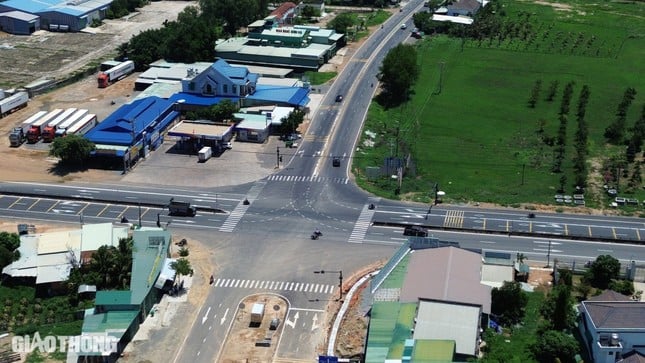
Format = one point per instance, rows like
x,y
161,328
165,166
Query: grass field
x,y
468,126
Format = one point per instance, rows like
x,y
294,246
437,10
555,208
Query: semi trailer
x,y
36,129
115,73
18,135
13,103
50,130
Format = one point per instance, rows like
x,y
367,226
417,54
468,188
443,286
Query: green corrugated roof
x,y
395,278
402,330
433,351
116,322
150,250
113,297
382,322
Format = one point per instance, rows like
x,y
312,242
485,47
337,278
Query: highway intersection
x,y
263,246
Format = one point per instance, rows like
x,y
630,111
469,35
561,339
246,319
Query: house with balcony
x,y
613,327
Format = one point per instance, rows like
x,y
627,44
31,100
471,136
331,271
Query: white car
x,y
403,26
227,145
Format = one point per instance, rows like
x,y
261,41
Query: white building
x,y
613,326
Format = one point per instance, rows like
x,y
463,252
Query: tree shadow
x,y
63,169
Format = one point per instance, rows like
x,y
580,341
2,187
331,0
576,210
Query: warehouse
x,y
60,15
19,22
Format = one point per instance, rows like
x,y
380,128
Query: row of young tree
x,y
554,340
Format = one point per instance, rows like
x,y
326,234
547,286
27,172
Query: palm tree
x,y
104,263
181,267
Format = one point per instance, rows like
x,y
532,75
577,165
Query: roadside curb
x,y
343,310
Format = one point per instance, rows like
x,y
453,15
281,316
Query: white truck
x,y
83,126
18,135
205,153
13,103
115,73
257,313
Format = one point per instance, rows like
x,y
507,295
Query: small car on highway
x,y
335,162
339,98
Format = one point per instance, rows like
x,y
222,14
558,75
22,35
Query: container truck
x,y
61,129
50,130
36,129
19,134
205,153
115,73
13,103
83,126
257,313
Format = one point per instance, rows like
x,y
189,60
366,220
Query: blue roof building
x,y
60,15
19,22
133,129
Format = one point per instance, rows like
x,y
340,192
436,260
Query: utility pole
x,y
139,215
548,255
277,162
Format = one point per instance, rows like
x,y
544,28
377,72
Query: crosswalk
x,y
325,289
454,219
234,217
363,222
311,179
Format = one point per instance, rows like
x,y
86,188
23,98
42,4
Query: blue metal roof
x,y
293,96
134,118
199,100
68,10
230,71
31,6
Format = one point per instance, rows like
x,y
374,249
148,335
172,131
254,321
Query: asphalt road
x,y
265,246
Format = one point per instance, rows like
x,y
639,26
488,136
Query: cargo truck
x,y
61,129
115,73
257,314
83,126
205,153
13,103
19,134
176,208
36,129
50,130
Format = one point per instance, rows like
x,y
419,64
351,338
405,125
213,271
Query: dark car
x,y
275,323
335,162
339,98
416,231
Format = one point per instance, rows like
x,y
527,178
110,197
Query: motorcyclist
x,y
212,279
317,232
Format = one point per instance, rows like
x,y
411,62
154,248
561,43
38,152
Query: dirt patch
x,y
556,6
240,345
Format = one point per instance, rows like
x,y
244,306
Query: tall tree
x,y
182,267
604,269
558,310
398,73
508,302
9,243
104,262
235,13
71,149
554,346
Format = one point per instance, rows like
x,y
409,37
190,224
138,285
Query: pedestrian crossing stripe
x,y
363,222
275,285
312,179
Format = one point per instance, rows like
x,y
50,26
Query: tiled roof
x,y
469,5
282,9
633,357
609,295
616,314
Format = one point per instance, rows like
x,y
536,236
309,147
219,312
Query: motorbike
x,y
212,280
316,234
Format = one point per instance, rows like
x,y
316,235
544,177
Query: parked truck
x,y
18,135
36,129
257,313
115,73
13,103
205,153
176,208
83,126
50,130
61,129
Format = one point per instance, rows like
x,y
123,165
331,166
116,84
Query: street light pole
x,y
277,150
548,255
340,281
